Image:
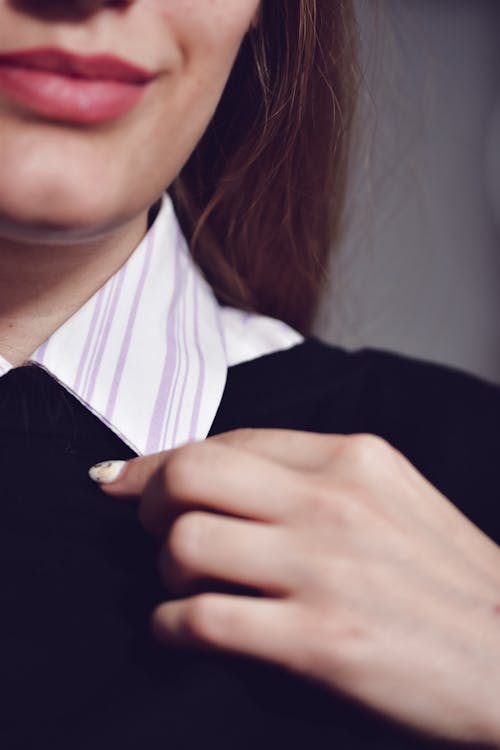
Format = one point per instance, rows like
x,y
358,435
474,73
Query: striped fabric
x,y
148,353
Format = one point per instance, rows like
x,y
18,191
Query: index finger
x,y
303,451
211,476
297,449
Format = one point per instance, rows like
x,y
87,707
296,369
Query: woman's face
x,y
68,172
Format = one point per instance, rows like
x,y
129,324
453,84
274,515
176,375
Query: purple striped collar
x,y
148,353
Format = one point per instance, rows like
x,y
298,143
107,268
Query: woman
x,y
306,589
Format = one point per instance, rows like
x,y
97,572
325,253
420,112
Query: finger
x,y
204,546
299,450
304,451
268,629
127,479
222,479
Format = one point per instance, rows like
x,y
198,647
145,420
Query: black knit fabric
x,y
78,574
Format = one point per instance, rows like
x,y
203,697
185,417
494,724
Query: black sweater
x,y
78,574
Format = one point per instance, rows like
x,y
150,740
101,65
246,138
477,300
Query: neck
x,y
42,285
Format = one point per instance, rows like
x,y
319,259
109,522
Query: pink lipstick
x,y
80,89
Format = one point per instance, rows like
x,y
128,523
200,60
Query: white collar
x,y
148,354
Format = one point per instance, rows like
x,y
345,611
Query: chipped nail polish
x,y
106,472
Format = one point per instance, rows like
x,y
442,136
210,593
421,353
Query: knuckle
x,y
319,498
239,438
331,448
337,650
180,471
315,656
333,643
325,500
366,451
185,537
204,620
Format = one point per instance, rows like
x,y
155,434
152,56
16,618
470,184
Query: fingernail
x,y
106,472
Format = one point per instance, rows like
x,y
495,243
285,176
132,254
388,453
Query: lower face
x,y
67,176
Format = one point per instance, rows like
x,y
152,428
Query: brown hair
x,y
261,197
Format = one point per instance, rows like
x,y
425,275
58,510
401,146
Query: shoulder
x,y
445,421
313,372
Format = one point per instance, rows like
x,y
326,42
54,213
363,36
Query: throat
x,y
43,285
20,339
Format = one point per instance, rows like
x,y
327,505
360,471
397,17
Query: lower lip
x,y
75,100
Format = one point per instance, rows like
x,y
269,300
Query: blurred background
x,y
419,267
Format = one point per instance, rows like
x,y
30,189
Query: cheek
x,y
202,25
208,35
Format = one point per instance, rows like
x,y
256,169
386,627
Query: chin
x,y
59,208
55,188
58,220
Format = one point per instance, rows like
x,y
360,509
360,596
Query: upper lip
x,y
91,67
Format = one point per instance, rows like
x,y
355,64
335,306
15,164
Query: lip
x,y
85,89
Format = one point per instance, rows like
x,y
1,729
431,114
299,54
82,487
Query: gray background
x,y
419,267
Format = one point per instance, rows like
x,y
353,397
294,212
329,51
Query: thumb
x,y
127,479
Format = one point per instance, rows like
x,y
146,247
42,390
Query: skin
x,y
67,224
372,583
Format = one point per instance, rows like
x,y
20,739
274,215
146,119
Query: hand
x,y
371,581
